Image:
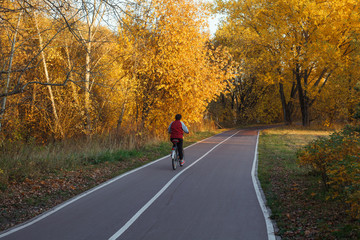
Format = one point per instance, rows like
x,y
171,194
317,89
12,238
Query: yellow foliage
x,y
285,41
159,63
166,56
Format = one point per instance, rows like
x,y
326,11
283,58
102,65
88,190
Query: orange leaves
x,y
156,65
309,43
172,73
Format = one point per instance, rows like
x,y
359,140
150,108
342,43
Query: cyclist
x,y
177,129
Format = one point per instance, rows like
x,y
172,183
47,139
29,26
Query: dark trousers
x,y
179,146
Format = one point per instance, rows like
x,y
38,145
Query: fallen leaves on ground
x,y
304,213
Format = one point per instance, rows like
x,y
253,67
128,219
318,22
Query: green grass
x,y
113,156
294,194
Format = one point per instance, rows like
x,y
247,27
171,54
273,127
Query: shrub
x,y
337,159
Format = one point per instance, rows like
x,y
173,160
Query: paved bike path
x,y
212,199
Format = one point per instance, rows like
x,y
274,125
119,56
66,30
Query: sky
x,y
213,21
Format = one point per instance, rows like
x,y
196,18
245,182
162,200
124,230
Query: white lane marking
x,y
269,224
63,205
158,194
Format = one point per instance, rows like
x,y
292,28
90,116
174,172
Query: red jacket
x,y
177,129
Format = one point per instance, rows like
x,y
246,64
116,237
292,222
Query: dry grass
x,y
35,178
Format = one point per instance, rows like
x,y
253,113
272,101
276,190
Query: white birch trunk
x,y
57,121
93,23
75,95
87,86
11,57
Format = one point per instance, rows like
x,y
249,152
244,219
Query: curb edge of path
x,y
270,224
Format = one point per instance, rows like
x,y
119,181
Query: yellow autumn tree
x,y
27,67
50,84
68,74
165,52
253,87
307,43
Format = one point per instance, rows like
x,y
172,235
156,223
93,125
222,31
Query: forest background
x,y
79,68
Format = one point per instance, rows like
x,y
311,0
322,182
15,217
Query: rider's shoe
x,y
182,162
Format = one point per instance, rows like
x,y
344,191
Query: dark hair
x,y
178,117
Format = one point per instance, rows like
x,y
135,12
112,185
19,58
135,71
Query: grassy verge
x,y
299,204
39,178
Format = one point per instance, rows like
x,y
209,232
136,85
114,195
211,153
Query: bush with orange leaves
x,y
337,159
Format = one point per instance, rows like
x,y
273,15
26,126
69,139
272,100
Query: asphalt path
x,y
213,196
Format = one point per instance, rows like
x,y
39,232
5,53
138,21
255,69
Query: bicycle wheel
x,y
174,159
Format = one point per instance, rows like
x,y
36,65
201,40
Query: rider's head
x,y
178,117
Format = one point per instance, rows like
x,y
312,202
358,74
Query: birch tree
x,y
47,77
7,68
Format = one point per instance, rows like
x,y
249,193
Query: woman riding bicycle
x,y
177,129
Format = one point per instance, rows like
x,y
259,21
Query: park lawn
x,y
300,206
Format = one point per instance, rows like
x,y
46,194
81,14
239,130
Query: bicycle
x,y
175,158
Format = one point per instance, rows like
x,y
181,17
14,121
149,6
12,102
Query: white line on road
x,y
63,205
269,225
157,195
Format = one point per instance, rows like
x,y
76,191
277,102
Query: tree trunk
x,y
75,95
94,12
120,119
3,102
57,121
303,98
87,87
288,107
286,113
33,99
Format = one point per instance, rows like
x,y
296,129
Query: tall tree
x,y
7,67
157,64
47,77
168,59
308,41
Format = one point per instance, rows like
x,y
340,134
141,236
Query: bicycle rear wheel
x,y
174,158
